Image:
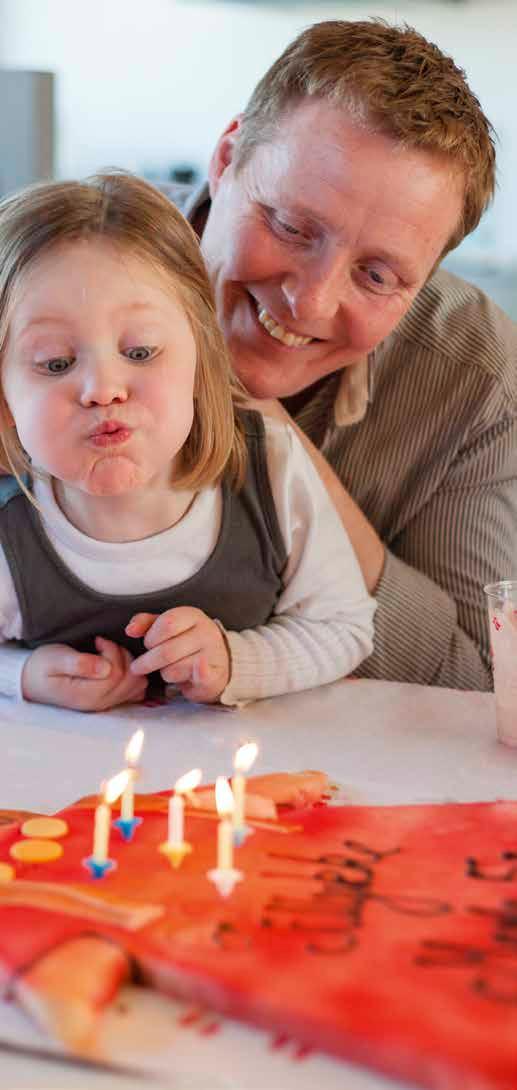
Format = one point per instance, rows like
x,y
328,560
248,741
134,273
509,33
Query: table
x,y
383,742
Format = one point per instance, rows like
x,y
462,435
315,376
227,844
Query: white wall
x,y
146,83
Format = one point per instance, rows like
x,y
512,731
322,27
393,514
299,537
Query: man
x,y
360,160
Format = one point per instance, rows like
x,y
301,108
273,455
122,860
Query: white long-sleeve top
x,y
322,625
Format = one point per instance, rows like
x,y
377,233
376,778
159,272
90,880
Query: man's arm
x,y
437,634
427,632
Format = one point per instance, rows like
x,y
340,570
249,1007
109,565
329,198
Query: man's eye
x,y
284,227
383,283
288,228
140,353
58,365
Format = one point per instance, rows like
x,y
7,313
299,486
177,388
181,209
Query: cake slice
x,y
67,989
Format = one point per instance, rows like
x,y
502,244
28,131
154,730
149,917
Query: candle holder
x,y
240,834
127,826
225,878
175,853
98,869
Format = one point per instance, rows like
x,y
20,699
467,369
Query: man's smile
x,y
279,332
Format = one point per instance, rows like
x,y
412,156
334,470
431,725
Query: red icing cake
x,y
383,935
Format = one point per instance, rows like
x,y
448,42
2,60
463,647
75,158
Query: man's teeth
x,y
292,340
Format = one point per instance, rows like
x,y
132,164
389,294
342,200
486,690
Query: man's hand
x,y
187,648
56,674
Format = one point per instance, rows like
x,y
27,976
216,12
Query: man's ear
x,y
223,154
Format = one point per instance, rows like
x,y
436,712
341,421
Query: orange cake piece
x,y
263,795
67,989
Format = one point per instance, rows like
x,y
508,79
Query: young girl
x,y
154,525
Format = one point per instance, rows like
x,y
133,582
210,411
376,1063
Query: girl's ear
x,y
223,154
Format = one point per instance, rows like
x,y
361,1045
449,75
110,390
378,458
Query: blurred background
x,y
149,84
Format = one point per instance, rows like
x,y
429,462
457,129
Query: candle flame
x,y
188,782
134,748
223,797
245,757
114,787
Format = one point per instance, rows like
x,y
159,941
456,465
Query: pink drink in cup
x,y
502,618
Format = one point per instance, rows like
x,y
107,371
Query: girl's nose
x,y
103,384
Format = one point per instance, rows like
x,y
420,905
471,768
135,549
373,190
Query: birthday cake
x,y
383,935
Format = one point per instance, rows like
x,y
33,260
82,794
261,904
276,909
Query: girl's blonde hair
x,y
132,214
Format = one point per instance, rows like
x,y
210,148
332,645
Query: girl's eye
x,y
140,353
58,365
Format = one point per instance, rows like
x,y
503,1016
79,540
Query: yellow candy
x,y
36,851
43,827
6,872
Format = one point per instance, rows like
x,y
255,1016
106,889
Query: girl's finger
x,y
112,652
79,664
139,624
168,653
183,671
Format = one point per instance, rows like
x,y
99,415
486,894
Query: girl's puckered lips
x,y
110,432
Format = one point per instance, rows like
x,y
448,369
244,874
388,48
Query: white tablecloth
x,y
384,743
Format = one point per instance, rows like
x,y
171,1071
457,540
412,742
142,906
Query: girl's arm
x,y
322,628
368,547
55,673
12,657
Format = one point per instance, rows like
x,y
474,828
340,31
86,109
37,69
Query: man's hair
x,y
391,80
134,217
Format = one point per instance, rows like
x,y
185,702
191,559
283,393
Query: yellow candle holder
x,y
175,853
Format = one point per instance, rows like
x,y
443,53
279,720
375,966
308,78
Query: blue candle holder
x,y
127,826
96,869
240,834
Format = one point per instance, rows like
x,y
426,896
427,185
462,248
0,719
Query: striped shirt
x,y
423,436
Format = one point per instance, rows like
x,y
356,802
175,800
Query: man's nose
x,y
103,383
315,290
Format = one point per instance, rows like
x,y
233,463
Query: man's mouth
x,y
279,332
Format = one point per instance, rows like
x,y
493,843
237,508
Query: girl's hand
x,y
188,649
56,674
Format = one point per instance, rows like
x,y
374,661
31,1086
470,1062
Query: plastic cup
x,y
502,618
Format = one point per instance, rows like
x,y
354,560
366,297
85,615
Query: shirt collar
x,y
353,392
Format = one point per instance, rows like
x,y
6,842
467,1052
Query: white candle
x,y
102,819
225,875
225,844
239,793
242,763
132,754
176,812
127,802
101,832
224,803
185,784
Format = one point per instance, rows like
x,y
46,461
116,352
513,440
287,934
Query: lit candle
x,y
182,786
175,847
133,751
101,829
224,876
242,763
224,802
